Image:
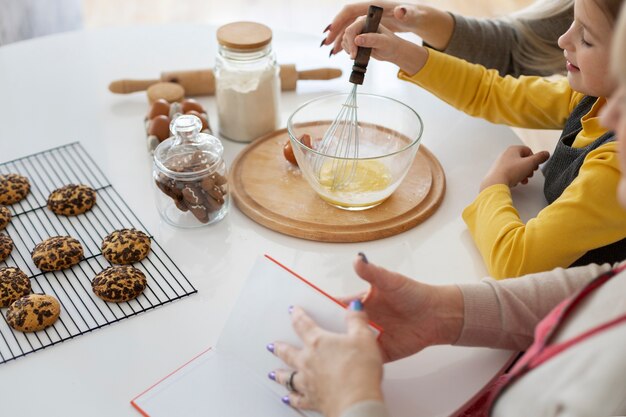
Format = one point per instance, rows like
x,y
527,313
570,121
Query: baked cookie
x,y
119,283
5,217
33,312
72,199
13,285
6,246
13,188
56,253
125,246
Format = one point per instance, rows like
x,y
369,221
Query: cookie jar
x,y
247,82
190,175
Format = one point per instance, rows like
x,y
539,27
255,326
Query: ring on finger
x,y
289,383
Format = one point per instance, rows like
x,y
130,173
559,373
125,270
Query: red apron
x,y
541,350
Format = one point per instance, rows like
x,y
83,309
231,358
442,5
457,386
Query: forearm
x,y
434,26
504,314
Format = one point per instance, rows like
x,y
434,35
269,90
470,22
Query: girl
x,y
583,222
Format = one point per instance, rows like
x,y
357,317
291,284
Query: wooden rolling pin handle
x,y
130,86
319,74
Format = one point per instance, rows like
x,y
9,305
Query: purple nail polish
x,y
290,309
363,257
272,376
327,29
285,400
356,305
323,41
270,347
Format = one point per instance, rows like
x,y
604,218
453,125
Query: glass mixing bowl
x,y
388,132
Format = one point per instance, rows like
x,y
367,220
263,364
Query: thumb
x,y
405,13
541,157
377,276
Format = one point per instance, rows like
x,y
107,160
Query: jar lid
x,y
244,35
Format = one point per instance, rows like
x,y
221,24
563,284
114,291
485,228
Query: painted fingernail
x,y
323,41
290,309
270,347
330,53
285,400
356,305
272,376
327,29
363,258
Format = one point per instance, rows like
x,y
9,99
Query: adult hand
x,y
413,315
333,371
514,166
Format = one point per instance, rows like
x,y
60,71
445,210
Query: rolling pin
x,y
202,82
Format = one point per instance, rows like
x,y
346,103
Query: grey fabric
x,y
562,168
491,42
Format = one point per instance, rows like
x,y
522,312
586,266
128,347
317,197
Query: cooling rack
x,y
32,222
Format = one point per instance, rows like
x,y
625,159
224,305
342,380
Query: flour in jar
x,y
248,104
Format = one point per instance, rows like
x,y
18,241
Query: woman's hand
x,y
332,371
413,315
514,166
432,25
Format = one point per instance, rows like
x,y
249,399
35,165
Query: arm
x,y
587,215
504,314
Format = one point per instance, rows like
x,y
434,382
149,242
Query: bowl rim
x,y
293,138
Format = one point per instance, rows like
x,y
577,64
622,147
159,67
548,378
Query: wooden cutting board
x,y
273,193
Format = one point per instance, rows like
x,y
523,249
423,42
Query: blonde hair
x,y
540,51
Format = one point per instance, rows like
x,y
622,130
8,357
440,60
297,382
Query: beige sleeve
x,y
366,409
503,314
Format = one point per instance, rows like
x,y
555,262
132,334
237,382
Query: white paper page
x,y
261,316
212,385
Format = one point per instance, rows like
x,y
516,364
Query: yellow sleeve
x,y
586,216
530,102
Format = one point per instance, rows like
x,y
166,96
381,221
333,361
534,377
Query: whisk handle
x,y
374,14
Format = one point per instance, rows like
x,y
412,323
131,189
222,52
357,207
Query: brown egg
x,y
205,123
160,127
190,104
288,153
305,139
160,108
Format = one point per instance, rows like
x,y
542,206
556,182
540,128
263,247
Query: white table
x,y
54,91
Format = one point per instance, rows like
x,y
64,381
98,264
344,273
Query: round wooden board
x,y
273,193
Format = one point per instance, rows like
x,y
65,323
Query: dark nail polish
x,y
363,257
323,41
330,53
285,400
272,376
327,29
270,347
290,309
356,305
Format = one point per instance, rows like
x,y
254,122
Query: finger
x,y
281,377
377,276
356,321
337,47
360,296
525,181
287,353
305,327
297,401
400,13
524,151
541,157
352,32
370,40
347,15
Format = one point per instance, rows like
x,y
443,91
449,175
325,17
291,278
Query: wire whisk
x,y
340,143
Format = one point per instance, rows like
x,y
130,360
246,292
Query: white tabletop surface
x,y
54,91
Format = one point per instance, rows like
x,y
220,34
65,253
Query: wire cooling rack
x,y
32,222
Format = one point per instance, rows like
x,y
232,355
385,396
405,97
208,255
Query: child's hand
x,y
386,46
515,165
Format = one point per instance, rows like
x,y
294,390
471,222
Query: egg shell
x,y
190,104
160,107
160,127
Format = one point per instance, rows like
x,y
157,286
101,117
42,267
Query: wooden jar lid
x,y
244,35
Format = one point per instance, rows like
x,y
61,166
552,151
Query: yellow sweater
x,y
586,216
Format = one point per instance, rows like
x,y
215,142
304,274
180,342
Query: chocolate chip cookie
x,y
13,285
72,199
33,312
125,246
13,188
119,283
56,253
5,217
6,246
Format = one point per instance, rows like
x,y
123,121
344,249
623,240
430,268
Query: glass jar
x,y
190,175
247,81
